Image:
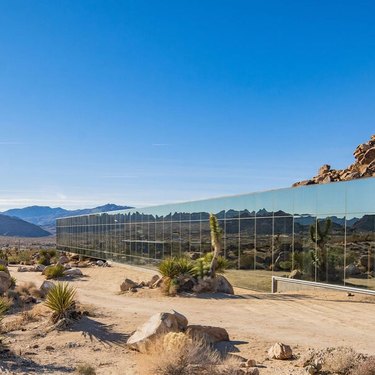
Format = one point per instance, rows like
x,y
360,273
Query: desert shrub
x,y
53,272
85,369
52,253
60,299
339,360
3,268
169,286
175,354
27,289
19,322
367,367
44,260
285,265
247,261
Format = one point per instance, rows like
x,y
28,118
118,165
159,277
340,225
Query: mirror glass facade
x,y
325,231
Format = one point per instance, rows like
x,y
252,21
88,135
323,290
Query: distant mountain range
x,y
15,227
45,217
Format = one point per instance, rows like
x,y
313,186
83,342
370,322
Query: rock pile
x,y
364,166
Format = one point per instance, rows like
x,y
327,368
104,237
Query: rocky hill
x,y
363,166
15,227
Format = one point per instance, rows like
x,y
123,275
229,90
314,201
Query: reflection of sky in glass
x,y
352,198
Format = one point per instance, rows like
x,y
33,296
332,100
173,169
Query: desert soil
x,y
254,321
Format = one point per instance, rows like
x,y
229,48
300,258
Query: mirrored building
x,y
327,232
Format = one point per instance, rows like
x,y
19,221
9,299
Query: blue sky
x,y
147,102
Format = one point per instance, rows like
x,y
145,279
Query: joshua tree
x,y
216,236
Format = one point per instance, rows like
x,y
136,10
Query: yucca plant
x,y
60,299
168,268
184,266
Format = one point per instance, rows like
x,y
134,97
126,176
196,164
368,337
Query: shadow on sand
x,y
11,361
100,332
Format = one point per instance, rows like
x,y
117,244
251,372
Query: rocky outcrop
x,y
364,166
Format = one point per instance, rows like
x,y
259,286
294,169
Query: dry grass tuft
x,y
367,367
340,360
85,369
176,354
28,289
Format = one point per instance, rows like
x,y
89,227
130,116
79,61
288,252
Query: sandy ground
x,y
254,321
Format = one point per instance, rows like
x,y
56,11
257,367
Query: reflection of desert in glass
x,y
323,233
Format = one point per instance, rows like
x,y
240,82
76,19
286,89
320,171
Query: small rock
x,y
251,363
46,287
73,272
22,269
280,351
63,259
39,268
127,285
157,284
50,348
100,263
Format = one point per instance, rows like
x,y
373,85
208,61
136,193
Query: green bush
x,y
52,252
3,268
44,260
60,299
53,272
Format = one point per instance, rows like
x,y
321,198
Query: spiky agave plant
x,y
216,235
60,299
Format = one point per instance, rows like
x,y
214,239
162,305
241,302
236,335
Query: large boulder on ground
x,y
181,320
222,285
39,268
208,334
5,281
280,351
159,324
73,272
46,287
128,284
219,284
